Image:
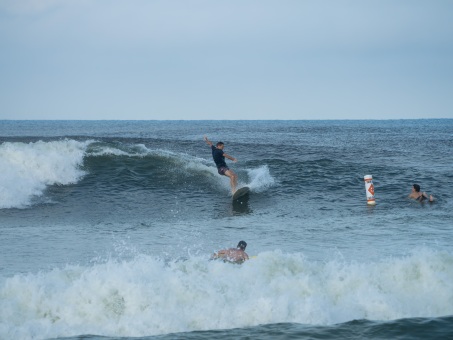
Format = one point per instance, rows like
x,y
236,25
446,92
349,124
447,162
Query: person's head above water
x,y
219,145
242,245
416,187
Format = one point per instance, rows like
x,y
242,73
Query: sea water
x,y
107,227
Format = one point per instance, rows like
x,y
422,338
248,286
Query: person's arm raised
x,y
207,140
230,157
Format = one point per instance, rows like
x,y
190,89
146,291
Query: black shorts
x,y
221,170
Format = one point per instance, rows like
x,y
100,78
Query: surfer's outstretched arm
x,y
207,140
230,157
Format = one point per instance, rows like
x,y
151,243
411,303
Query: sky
x,y
226,59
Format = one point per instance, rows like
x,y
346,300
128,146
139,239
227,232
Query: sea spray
x,y
148,296
260,178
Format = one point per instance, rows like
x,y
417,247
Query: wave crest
x,y
27,169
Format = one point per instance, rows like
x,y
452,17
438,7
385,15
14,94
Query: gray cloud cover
x,y
67,59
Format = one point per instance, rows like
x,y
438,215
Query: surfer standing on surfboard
x,y
219,159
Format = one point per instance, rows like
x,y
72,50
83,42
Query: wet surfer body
x,y
219,159
233,255
417,195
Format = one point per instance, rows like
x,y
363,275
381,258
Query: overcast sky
x,y
230,59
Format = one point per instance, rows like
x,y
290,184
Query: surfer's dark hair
x,y
219,143
417,187
242,245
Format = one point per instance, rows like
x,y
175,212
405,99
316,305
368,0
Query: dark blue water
x,y
106,228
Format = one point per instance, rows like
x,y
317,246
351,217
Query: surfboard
x,y
241,193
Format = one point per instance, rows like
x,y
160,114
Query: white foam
x,y
260,179
135,150
145,296
27,169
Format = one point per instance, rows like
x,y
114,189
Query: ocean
x,y
107,228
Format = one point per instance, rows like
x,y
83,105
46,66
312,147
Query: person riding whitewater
x,y
233,255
